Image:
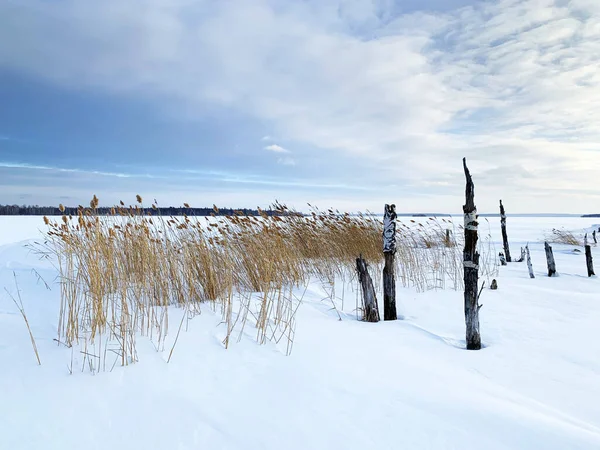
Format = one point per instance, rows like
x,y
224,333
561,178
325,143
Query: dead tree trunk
x,y
504,235
588,257
550,260
389,252
368,291
471,265
529,266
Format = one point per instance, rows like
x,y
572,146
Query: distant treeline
x,y
16,210
591,215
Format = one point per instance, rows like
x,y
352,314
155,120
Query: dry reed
x,y
563,236
120,274
19,304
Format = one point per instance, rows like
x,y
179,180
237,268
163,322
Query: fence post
x,y
389,252
588,257
504,235
368,291
550,259
529,265
471,265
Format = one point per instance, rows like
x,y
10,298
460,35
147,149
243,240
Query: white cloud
x,y
13,165
287,161
276,148
511,84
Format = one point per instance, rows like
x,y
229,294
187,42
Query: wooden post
x,y
389,252
522,258
471,265
588,257
448,239
504,235
529,266
502,258
550,260
368,291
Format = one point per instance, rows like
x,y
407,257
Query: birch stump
x,y
588,257
504,235
389,252
529,265
550,260
368,291
471,265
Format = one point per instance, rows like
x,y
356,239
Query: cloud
x,y
276,148
287,161
398,97
12,165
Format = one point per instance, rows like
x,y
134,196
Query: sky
x,y
348,104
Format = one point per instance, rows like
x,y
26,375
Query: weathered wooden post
x,y
502,258
504,235
588,257
522,258
471,265
550,260
389,252
529,265
368,291
448,239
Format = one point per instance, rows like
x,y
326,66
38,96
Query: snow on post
x,y
588,257
371,309
389,252
504,235
471,265
550,260
529,266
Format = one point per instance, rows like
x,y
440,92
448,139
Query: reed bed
x,y
119,274
562,236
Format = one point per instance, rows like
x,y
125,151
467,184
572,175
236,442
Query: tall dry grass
x,y
562,236
120,274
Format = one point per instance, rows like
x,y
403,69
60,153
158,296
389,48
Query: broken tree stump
x,y
529,265
370,307
550,260
502,258
389,252
471,264
588,257
504,235
522,258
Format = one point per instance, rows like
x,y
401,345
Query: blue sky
x,y
344,103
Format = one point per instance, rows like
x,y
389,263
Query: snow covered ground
x,y
406,384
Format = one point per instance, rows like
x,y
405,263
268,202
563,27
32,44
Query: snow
x,y
406,384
